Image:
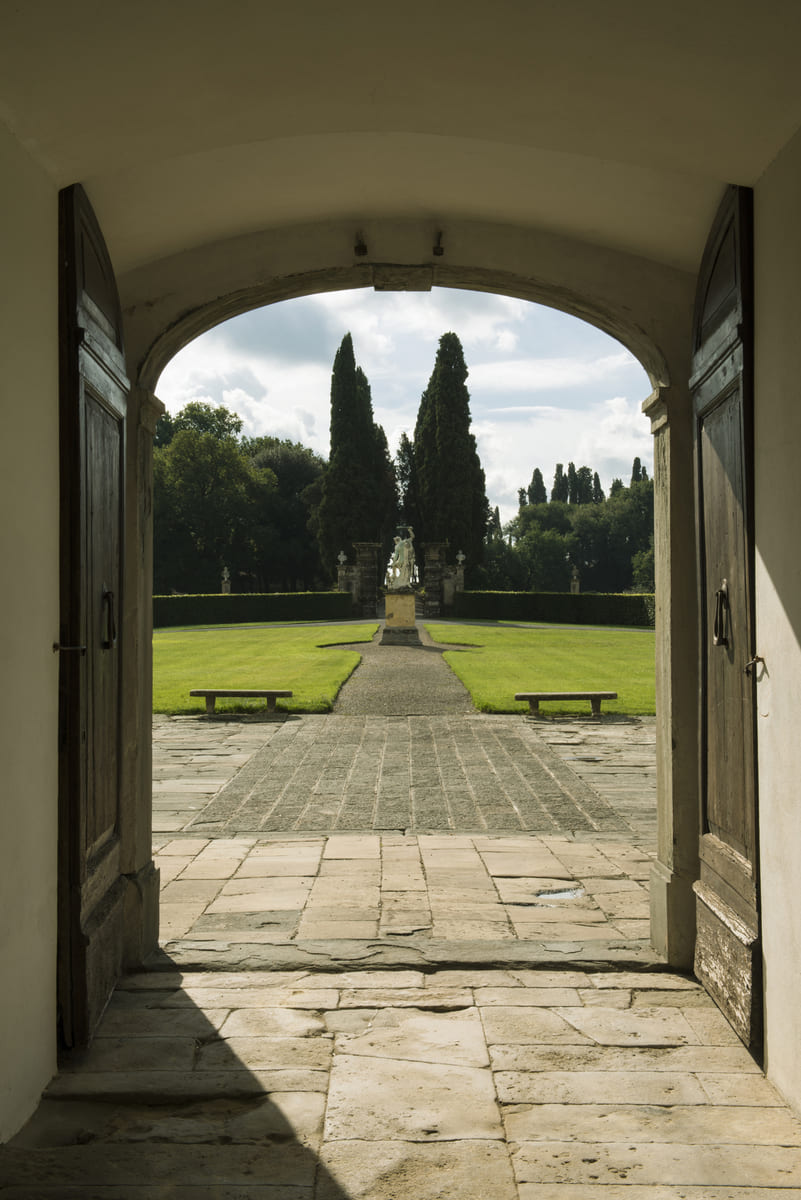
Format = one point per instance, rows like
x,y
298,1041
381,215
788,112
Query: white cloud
x,y
522,409
545,374
506,340
616,434
273,367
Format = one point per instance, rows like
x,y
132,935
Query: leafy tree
x,y
616,488
537,493
287,557
522,498
359,498
643,575
494,529
545,554
502,569
594,550
450,480
560,490
164,430
206,418
204,493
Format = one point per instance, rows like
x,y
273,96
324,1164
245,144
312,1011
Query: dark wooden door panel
x,y
727,958
729,812
104,440
93,402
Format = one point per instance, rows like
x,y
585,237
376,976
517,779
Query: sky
x,y
544,387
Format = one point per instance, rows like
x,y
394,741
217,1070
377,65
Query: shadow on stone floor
x,y
161,1105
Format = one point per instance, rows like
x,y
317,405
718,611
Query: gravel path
x,y
402,681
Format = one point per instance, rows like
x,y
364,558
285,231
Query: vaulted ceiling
x,y
191,121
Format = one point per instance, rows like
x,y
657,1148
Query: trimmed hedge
x,y
585,608
247,607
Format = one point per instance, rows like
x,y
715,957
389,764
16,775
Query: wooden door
x,y
92,407
727,956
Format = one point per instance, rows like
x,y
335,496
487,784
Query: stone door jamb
x,y
676,665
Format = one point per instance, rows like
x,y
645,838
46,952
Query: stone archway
x,y
646,307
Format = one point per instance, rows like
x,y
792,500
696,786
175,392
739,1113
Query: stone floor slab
x,y
377,1099
595,1087
453,1038
469,1170
657,1163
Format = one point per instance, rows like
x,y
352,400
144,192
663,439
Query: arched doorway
x,y
647,309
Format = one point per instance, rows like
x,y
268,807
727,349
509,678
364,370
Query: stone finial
x,y
342,558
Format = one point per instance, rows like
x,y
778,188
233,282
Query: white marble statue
x,y
401,566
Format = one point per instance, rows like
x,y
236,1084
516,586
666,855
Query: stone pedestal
x,y
400,628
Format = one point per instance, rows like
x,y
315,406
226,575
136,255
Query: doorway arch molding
x,y
647,306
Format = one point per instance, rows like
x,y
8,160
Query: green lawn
x,y
502,660
235,656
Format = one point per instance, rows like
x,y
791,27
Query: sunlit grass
x,y
502,660
235,656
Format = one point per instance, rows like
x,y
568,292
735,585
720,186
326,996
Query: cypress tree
x,y
636,471
386,488
559,491
597,490
407,483
358,489
522,498
572,484
450,480
584,486
537,493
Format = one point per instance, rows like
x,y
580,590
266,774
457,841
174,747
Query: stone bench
x,y
594,698
211,694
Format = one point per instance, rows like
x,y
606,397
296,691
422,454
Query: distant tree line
x,y
275,515
608,540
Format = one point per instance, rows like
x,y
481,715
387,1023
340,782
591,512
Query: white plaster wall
x,y
778,598
29,513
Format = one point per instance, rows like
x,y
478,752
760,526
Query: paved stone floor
x,y
387,1085
344,883
406,958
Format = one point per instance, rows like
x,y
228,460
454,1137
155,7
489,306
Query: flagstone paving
x,y
420,898
536,841
381,1085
